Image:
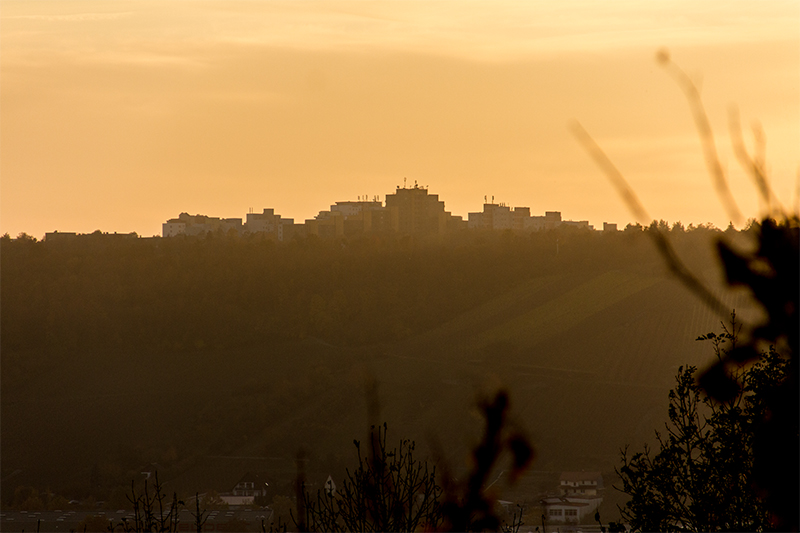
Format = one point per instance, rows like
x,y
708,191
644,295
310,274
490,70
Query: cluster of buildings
x,y
579,496
502,217
408,211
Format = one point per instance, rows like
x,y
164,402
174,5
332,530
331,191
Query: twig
x,y
754,165
613,174
663,245
706,135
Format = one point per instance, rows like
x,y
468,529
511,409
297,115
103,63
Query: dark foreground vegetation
x,y
700,476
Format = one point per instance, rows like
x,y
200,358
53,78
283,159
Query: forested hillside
x,y
96,293
215,356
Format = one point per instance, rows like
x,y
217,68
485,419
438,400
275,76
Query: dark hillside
x,y
214,357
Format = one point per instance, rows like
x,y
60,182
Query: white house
x,y
247,489
580,496
570,509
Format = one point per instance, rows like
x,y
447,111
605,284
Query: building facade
x,y
416,212
580,494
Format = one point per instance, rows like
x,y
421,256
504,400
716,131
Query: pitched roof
x,y
564,502
257,478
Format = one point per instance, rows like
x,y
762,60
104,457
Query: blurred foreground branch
x,y
772,275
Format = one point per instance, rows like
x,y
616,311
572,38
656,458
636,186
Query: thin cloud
x,y
507,30
75,17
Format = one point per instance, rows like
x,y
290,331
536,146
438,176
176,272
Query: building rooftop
x,y
581,476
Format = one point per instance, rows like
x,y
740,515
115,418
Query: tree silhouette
x,y
701,475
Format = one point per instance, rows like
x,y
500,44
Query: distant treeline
x,y
174,294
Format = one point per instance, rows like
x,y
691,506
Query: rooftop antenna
x,y
492,199
404,182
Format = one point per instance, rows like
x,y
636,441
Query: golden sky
x,y
119,115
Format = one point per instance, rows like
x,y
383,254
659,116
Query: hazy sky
x,y
119,115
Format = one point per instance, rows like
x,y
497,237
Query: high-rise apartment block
x,y
408,211
420,213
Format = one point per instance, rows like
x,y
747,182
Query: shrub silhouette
x,y
701,474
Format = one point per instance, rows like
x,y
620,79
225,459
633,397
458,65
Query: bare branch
x,y
706,135
672,260
613,174
754,165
